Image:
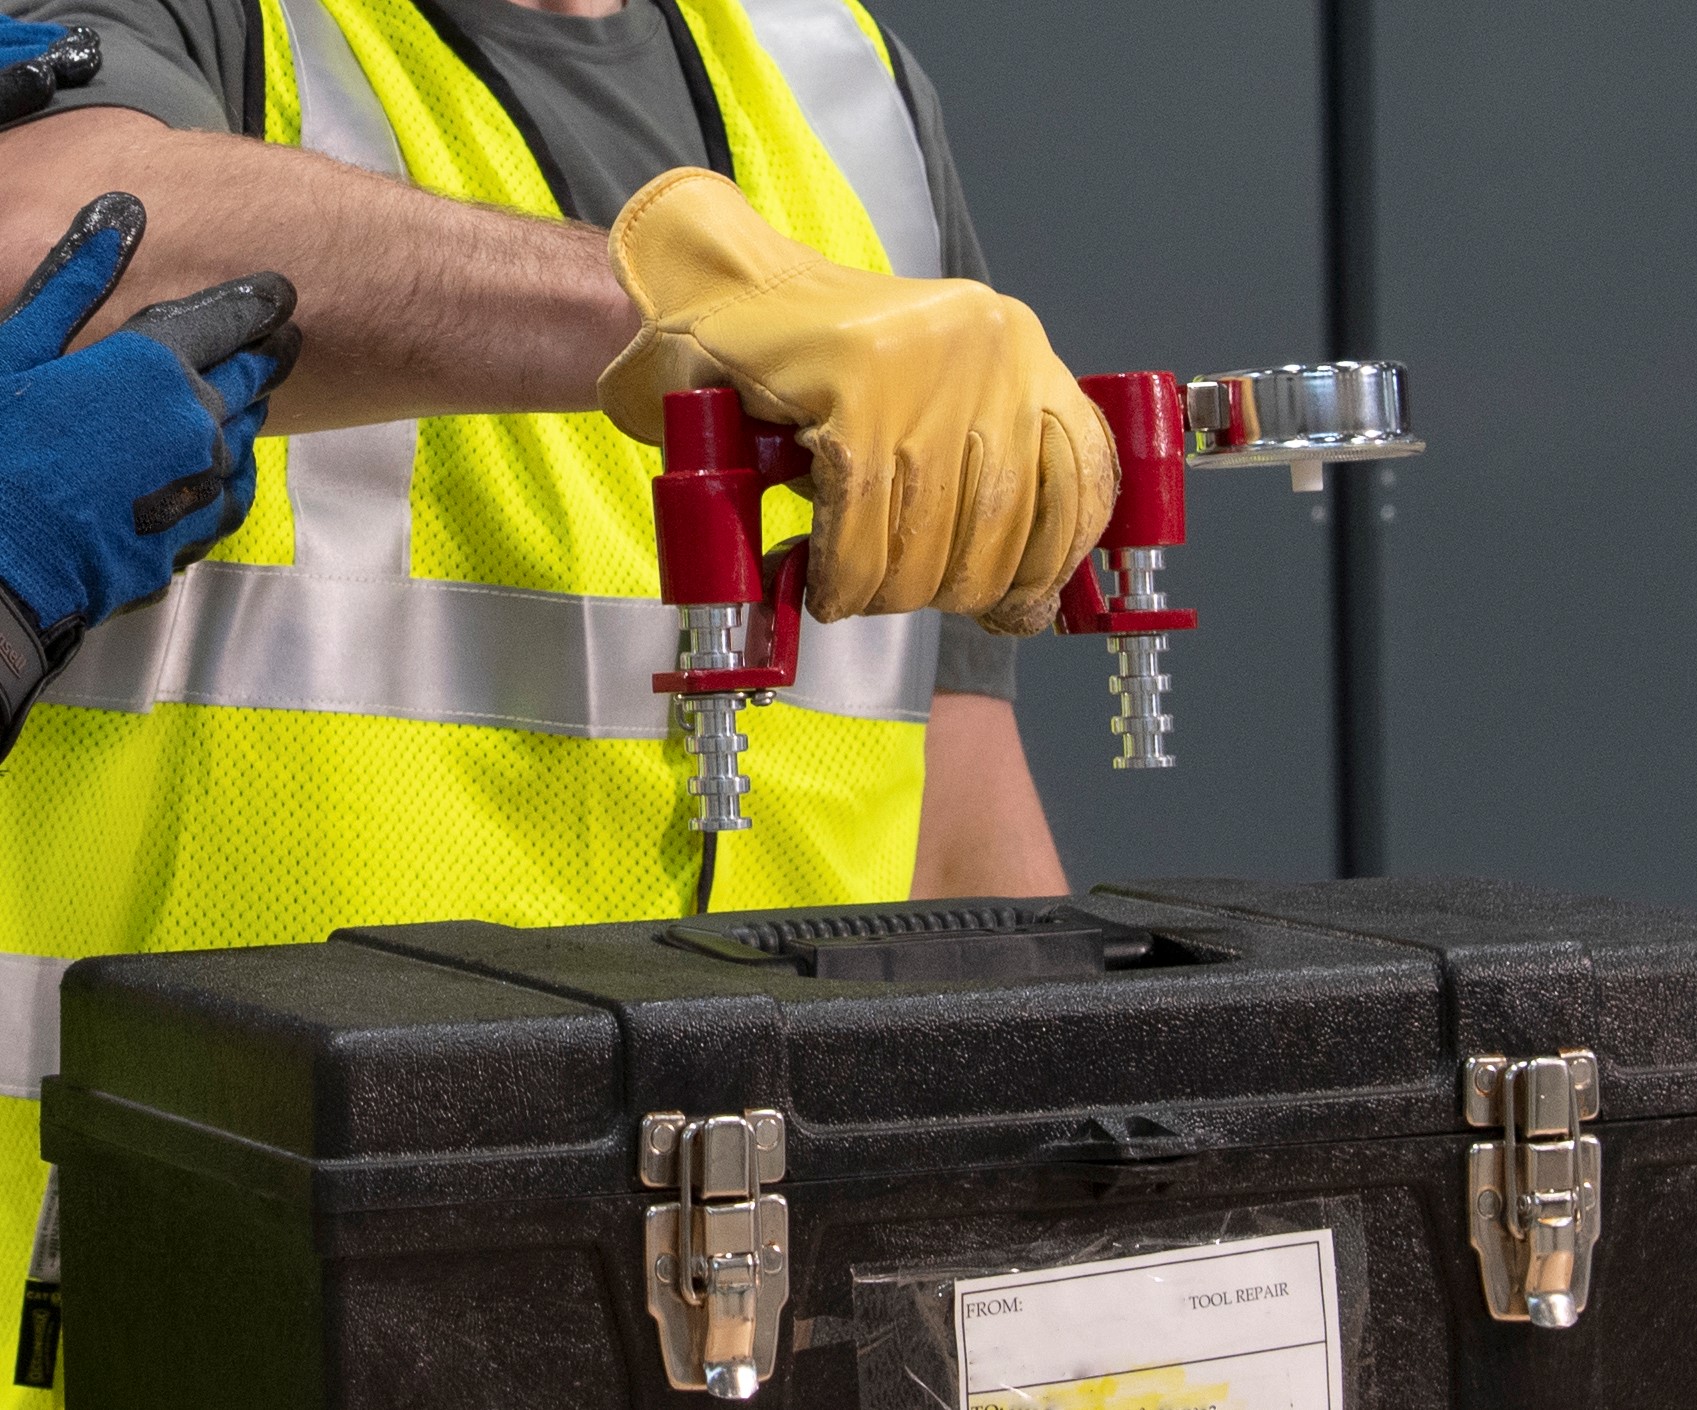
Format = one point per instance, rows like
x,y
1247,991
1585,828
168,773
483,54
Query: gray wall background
x,y
1537,264
1161,213
1152,179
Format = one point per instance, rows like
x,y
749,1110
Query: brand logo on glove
x,y
14,662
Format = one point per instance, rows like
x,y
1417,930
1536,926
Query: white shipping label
x,y
1233,1326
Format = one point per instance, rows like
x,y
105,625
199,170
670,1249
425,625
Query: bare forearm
x,y
410,304
981,829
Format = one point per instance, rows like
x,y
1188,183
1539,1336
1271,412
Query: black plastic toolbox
x,y
427,1166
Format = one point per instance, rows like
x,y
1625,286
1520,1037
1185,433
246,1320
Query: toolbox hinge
x,y
718,1256
1534,1198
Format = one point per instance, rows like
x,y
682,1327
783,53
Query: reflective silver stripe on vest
x,y
349,490
122,661
856,110
346,630
29,1022
341,115
351,493
465,653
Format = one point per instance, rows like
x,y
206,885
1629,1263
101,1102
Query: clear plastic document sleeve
x,y
1248,1324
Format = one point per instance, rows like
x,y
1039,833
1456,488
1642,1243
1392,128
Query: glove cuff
x,y
29,659
690,241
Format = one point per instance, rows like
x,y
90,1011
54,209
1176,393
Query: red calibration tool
x,y
1145,414
718,465
740,607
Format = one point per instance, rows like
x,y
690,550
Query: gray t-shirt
x,y
607,101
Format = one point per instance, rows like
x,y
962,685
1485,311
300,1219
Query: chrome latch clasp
x,y
718,1256
1535,1197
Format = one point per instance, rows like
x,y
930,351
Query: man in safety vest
x,y
415,684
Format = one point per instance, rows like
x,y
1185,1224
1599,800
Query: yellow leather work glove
x,y
956,463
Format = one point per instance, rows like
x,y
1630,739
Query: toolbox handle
x,y
996,943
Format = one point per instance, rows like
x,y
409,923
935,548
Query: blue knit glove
x,y
129,458
36,60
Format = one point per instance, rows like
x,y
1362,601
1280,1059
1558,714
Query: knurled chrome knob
x,y
711,735
1138,685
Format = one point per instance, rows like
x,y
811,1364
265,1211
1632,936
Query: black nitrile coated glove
x,y
128,459
36,60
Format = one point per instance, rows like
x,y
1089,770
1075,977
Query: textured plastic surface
x,y
399,1169
1002,945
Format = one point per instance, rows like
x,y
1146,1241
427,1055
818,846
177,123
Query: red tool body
x,y
719,463
1145,412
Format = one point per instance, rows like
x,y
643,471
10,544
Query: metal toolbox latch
x,y
1534,1198
717,1258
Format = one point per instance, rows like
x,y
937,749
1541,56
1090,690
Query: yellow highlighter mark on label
x,y
1169,1388
1249,1324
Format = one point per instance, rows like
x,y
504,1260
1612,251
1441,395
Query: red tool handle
x,y
719,463
1146,415
707,501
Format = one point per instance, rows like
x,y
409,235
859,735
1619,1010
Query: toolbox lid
x,y
1527,971
427,1064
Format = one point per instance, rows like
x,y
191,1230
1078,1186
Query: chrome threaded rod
x,y
1139,684
710,721
1138,687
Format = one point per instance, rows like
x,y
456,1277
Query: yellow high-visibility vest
x,y
375,717
237,822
